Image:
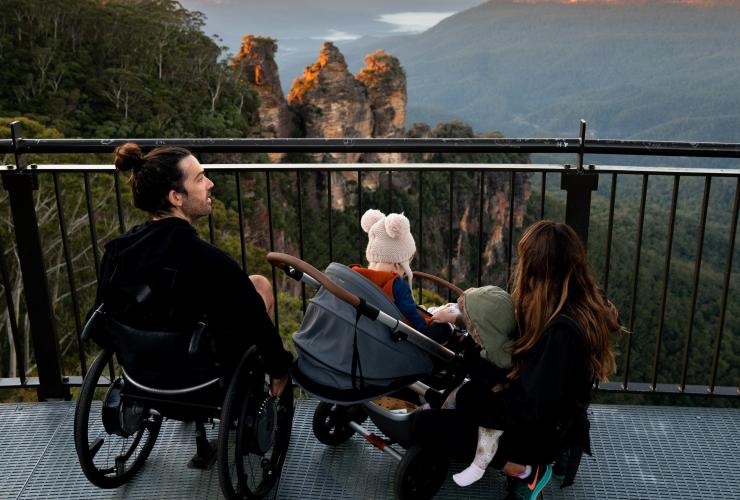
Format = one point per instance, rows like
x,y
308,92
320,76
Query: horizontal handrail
x,y
389,145
398,167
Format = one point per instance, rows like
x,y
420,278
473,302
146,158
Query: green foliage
x,y
119,69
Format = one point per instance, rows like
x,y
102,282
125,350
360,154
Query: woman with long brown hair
x,y
564,343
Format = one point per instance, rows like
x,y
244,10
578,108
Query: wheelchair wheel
x,y
113,438
254,433
331,422
420,474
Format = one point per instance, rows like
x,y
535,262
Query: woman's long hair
x,y
552,276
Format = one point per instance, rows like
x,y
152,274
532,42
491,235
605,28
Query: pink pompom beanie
x,y
390,239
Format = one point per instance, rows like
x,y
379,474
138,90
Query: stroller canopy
x,y
326,345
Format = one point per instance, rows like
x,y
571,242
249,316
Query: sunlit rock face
x,y
331,102
255,64
385,81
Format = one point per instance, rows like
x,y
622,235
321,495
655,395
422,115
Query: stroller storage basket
x,y
332,341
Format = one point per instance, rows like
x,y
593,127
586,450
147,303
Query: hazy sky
x,y
300,24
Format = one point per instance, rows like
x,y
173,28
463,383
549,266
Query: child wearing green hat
x,y
488,315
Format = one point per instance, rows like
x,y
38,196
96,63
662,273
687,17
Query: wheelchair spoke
x,y
96,447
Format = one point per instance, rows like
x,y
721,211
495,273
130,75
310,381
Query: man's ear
x,y
174,198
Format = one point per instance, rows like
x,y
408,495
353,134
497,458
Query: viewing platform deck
x,y
645,452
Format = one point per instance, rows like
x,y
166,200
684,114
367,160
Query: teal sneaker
x,y
530,487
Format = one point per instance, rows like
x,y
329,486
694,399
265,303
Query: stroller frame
x,y
420,473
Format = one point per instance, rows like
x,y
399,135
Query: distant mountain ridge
x,y
649,70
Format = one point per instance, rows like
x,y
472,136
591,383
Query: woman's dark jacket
x,y
542,412
162,275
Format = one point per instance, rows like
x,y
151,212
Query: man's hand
x,y
277,385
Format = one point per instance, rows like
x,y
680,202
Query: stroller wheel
x,y
420,474
331,422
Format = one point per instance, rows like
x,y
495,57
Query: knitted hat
x,y
488,313
390,239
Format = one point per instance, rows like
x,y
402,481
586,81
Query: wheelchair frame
x,y
251,422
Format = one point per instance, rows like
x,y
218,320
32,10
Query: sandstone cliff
x,y
255,64
385,81
331,102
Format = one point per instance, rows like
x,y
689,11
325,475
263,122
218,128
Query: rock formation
x,y
255,64
385,81
331,102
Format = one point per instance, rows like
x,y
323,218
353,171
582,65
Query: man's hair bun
x,y
129,157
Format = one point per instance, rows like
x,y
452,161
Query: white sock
x,y
470,475
526,473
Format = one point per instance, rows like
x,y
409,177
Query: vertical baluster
x,y
610,232
359,217
20,359
330,217
211,229
91,222
666,274
695,288
725,289
421,232
119,207
240,209
268,188
390,191
512,185
635,280
480,227
300,233
542,198
451,245
70,271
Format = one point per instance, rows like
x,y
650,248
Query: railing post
x,y
20,182
579,183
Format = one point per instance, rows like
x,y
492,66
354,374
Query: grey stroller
x,y
353,348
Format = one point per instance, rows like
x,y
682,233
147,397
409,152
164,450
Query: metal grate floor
x,y
639,452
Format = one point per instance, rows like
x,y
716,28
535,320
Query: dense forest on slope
x,y
118,69
76,101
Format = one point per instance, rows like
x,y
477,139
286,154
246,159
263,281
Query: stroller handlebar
x,y
282,261
298,270
430,277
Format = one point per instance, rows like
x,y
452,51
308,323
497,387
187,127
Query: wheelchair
x,y
156,375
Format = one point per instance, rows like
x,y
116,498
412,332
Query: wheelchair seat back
x,y
161,362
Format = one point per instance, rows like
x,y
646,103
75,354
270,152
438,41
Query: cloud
x,y
337,36
413,22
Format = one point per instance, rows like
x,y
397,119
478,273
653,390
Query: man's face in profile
x,y
197,196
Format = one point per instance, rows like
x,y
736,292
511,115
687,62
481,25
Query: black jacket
x,y
543,411
161,275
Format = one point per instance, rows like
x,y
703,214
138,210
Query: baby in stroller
x,y
488,316
487,313
389,253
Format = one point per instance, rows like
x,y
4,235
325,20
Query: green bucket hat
x,y
488,313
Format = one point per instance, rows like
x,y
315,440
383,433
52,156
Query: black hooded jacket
x,y
162,275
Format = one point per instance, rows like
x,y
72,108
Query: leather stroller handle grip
x,y
439,281
281,259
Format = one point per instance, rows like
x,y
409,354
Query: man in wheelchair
x,y
177,312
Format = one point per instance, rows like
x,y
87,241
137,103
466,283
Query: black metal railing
x,y
578,182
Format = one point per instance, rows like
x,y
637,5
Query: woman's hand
x,y
446,315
